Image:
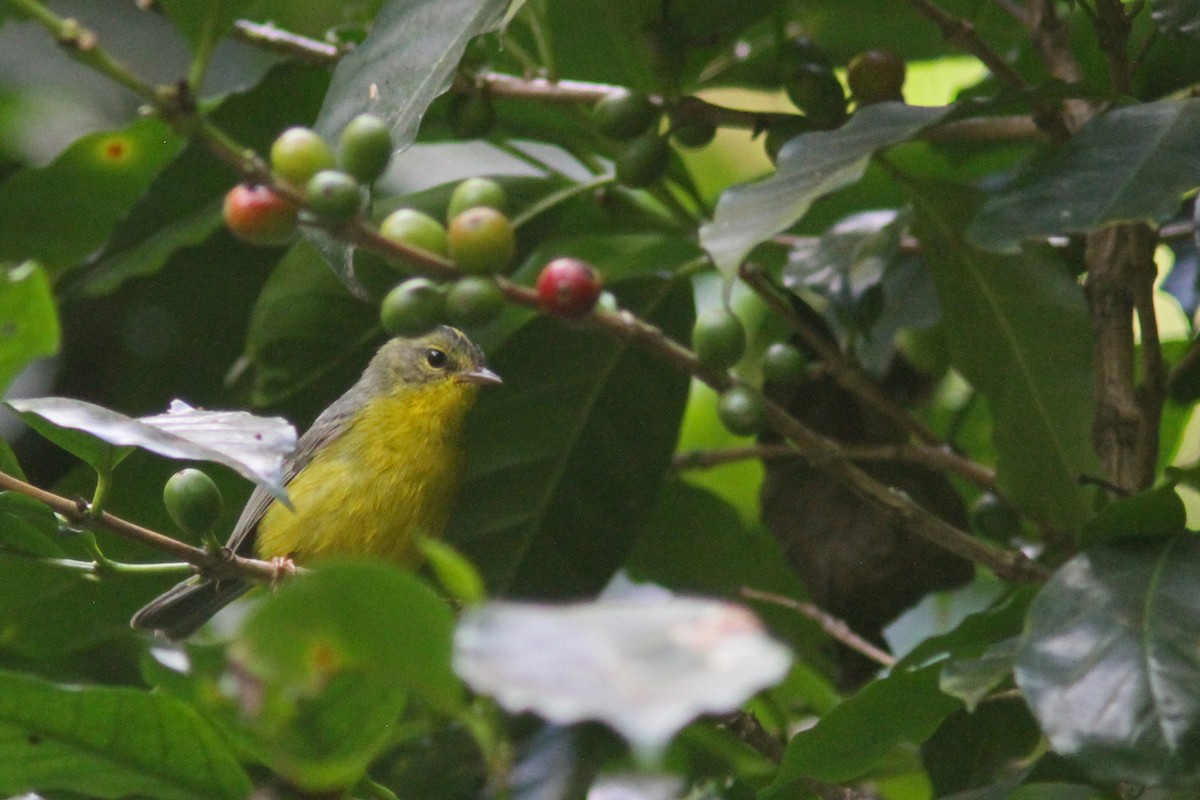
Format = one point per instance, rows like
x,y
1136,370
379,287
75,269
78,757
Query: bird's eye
x,y
436,358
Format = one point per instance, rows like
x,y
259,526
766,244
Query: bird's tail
x,y
179,612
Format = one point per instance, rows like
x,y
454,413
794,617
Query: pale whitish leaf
x,y
810,166
253,446
636,786
645,667
1130,164
1178,16
848,259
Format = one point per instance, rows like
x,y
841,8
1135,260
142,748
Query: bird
x,y
377,469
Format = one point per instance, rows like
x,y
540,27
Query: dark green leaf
x,y
1178,16
853,738
253,446
976,633
110,743
8,461
203,24
566,458
328,663
972,679
1019,330
30,320
1130,164
809,166
980,747
1153,514
27,526
60,213
1109,664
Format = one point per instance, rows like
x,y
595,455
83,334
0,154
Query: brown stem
x,y
961,33
1051,39
76,513
1112,28
835,627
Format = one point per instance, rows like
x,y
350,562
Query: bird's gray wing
x,y
332,423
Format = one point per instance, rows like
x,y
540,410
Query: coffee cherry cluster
x,y
333,186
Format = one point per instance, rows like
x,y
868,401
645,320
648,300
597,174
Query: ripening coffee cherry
x,y
481,240
298,154
413,307
333,195
876,76
193,501
718,338
568,287
783,365
474,300
644,160
623,114
414,228
817,92
257,215
741,410
365,148
473,193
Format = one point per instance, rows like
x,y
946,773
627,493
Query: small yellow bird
x,y
377,468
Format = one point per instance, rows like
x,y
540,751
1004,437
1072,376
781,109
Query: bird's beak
x,y
481,375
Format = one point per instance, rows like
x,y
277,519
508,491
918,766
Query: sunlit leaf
x,y
646,667
1109,663
1130,164
1158,512
29,327
972,679
110,743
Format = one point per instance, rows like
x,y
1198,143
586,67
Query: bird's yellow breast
x,y
392,474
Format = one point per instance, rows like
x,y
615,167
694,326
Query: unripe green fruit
x,y
694,133
365,148
876,76
741,410
333,195
784,365
298,154
413,307
803,50
193,501
257,215
718,338
474,193
474,300
817,92
481,240
994,518
624,114
644,160
415,229
472,115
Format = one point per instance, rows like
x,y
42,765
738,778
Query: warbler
x,y
377,468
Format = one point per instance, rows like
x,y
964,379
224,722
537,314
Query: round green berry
x,y
876,76
694,133
994,518
333,195
413,307
365,148
783,364
644,160
481,240
718,338
817,92
474,300
298,154
741,410
623,114
416,229
473,193
193,501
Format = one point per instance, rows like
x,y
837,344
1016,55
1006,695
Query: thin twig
x,y
269,37
962,34
834,626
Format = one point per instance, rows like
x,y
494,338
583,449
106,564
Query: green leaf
x,y
973,679
809,166
253,446
1129,164
60,213
1109,664
976,633
1156,513
853,738
202,24
1178,16
981,747
1019,330
110,743
30,320
566,458
406,61
328,664
27,526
